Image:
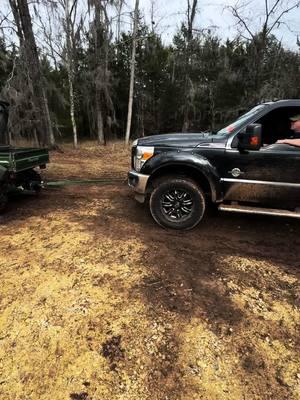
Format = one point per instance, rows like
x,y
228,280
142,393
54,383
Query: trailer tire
x,y
32,180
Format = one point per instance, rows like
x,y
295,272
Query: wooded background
x,y
71,71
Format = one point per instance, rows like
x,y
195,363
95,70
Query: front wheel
x,y
177,203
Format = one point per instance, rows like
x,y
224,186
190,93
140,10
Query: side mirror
x,y
250,139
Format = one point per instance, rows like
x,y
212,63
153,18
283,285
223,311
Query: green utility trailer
x,y
18,165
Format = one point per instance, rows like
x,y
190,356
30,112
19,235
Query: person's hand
x,y
281,141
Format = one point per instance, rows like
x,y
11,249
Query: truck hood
x,y
181,139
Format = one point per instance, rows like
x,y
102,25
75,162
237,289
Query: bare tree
x,y
271,18
152,14
119,7
70,7
70,27
98,36
268,20
101,32
132,70
22,17
188,86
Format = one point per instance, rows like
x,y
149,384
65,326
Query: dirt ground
x,y
99,303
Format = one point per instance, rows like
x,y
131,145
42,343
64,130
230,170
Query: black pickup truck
x,y
240,168
18,165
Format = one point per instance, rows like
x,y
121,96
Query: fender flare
x,y
199,164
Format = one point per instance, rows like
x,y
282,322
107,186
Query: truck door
x,y
269,176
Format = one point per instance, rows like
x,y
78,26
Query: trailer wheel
x,y
32,181
177,203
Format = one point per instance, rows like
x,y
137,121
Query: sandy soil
x,y
99,303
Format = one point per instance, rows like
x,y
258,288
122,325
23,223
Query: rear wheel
x,y
177,203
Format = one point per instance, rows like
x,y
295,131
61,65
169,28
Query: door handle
x,y
236,172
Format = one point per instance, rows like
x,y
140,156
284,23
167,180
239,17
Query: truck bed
x,y
18,159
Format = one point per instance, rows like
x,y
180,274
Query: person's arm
x,y
292,142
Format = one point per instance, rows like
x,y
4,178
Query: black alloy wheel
x,y
177,203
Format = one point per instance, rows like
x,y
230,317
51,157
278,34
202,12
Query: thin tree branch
x,y
277,21
240,20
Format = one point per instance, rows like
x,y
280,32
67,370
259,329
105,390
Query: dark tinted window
x,y
277,125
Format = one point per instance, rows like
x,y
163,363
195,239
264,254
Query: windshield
x,y
240,121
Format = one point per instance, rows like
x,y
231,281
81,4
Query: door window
x,y
277,125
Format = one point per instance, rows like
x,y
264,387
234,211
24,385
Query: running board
x,y
258,211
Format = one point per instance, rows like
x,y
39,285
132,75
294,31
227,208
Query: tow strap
x,y
69,182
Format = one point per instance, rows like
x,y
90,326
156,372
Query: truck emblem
x,y
235,172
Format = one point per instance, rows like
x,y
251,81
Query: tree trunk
x,y
98,44
132,71
72,110
191,13
23,20
16,15
51,134
119,11
100,130
70,69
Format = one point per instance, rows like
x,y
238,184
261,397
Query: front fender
x,y
199,164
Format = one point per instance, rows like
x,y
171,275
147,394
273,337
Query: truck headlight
x,y
143,153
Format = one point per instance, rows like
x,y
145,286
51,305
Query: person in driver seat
x,y
295,126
